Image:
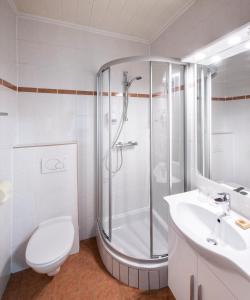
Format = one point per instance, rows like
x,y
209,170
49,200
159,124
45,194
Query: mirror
x,y
223,122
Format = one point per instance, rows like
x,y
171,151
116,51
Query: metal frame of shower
x,y
103,69
206,75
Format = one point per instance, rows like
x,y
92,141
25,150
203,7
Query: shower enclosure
x,y
140,159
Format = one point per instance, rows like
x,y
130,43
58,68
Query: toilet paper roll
x,y
5,191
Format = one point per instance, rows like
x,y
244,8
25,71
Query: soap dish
x,y
242,224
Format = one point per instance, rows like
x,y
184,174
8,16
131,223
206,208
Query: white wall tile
x,y
154,280
163,272
133,277
109,262
116,269
143,280
46,118
123,274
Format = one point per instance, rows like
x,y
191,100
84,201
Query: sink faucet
x,y
225,199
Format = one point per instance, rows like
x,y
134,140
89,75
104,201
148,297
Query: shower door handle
x,y
192,287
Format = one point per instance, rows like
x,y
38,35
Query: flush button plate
x,y
53,165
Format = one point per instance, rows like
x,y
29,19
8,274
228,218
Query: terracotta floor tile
x,y
82,277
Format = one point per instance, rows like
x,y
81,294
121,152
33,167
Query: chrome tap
x,y
224,198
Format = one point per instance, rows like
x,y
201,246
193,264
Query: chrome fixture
x,y
126,145
119,146
126,85
224,198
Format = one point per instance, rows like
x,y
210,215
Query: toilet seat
x,y
52,240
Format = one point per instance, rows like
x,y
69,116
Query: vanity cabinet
x,y
209,286
182,267
190,278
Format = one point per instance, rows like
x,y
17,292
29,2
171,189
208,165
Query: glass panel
x,y
166,145
159,156
203,120
178,99
104,130
130,159
199,121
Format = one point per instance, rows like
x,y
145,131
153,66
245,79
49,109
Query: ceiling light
x,y
215,59
233,40
247,45
199,56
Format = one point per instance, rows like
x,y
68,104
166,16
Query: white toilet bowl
x,y
50,245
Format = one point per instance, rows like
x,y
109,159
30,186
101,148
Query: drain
x,y
212,241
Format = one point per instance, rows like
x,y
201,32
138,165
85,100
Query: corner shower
x,y
140,159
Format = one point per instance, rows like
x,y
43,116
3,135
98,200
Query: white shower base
x,y
127,257
131,234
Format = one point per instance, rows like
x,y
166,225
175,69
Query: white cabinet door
x,y
209,286
182,268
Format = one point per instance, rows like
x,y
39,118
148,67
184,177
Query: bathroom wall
x,y
204,22
59,57
8,104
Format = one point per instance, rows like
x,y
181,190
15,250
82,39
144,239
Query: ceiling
x,y
143,19
234,70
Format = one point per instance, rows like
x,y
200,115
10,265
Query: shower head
x,y
133,79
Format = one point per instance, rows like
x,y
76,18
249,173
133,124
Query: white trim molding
x,y
83,28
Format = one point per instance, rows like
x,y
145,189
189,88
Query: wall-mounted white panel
x,y
40,196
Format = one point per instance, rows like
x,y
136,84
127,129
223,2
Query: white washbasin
x,y
218,239
206,225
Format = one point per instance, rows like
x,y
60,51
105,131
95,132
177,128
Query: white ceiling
x,y
144,19
234,69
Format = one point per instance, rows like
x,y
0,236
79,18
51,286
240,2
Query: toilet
x,y
50,245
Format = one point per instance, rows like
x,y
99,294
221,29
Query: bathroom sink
x,y
205,224
218,239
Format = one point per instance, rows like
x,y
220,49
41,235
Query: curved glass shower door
x,y
104,153
167,147
140,136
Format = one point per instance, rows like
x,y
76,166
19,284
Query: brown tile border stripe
x,y
242,97
85,93
67,92
23,89
46,91
8,85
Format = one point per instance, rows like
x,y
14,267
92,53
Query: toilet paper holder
x,y
5,191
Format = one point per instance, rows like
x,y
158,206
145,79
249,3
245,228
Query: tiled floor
x,y
82,277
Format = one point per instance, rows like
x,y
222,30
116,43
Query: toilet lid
x,y
50,242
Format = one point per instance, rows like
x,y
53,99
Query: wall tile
x,y
133,277
116,269
143,280
124,274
